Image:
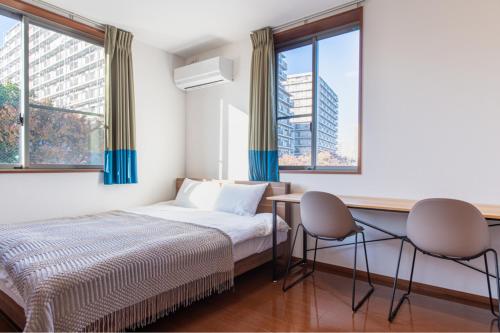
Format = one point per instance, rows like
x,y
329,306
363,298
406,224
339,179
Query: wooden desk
x,y
490,212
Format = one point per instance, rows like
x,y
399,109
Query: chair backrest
x,y
325,215
448,227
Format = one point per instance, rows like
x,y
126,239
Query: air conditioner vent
x,y
203,74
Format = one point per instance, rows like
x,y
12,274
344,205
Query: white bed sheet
x,y
238,228
249,234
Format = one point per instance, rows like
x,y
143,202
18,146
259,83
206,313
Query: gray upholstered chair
x,y
446,229
324,216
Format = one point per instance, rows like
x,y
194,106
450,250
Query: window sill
x,y
48,170
326,172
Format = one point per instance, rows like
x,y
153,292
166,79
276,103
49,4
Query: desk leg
x,y
304,246
275,241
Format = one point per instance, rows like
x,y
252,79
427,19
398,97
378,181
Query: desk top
x,y
384,204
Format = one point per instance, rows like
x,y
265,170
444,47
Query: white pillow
x,y
240,199
196,194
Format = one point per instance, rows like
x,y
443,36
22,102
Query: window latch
x,y
20,120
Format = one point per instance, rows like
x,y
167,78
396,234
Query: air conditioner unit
x,y
203,74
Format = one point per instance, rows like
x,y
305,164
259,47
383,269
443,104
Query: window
x,y
318,94
10,94
46,117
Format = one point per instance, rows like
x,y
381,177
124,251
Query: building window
x,y
46,118
318,94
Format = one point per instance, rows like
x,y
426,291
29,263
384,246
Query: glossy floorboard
x,y
321,303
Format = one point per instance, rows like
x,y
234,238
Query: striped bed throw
x,y
112,271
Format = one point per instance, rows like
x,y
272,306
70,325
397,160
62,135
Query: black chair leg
x,y
392,313
315,251
354,306
496,313
366,260
290,266
490,296
498,286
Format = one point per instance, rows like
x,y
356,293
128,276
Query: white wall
x,y
430,120
160,126
217,120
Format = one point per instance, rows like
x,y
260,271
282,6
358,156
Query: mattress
x,y
256,245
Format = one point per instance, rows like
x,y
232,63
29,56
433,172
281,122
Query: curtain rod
x,y
76,17
66,13
315,16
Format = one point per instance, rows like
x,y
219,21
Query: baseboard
x,y
417,287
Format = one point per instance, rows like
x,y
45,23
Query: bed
x,y
249,239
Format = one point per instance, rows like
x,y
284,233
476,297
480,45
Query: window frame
x,y
28,14
311,34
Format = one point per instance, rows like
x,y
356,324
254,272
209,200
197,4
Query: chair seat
x,y
448,227
357,229
455,252
326,216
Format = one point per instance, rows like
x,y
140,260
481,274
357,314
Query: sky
x,y
5,24
338,65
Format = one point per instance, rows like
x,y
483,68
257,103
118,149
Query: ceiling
x,y
187,27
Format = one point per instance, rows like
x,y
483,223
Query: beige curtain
x,y
263,154
120,166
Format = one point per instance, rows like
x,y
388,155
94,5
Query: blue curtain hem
x,y
120,167
264,165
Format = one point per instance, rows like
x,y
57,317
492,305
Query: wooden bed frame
x,y
15,313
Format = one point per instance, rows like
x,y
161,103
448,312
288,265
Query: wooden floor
x,y
321,303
